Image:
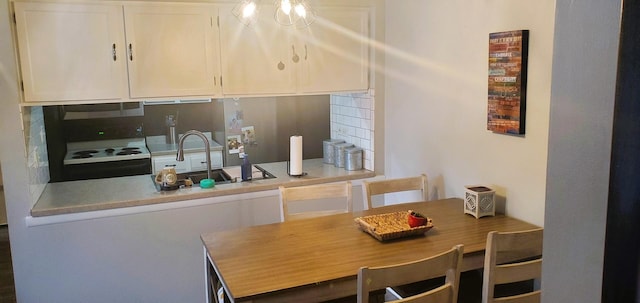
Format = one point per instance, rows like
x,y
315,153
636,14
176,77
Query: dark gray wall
x,y
198,116
622,254
311,122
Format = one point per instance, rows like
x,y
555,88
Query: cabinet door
x,y
199,160
335,51
256,59
71,51
172,49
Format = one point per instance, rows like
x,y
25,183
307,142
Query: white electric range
x,y
106,151
106,158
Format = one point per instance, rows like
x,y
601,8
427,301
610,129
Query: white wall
x,y
436,99
13,154
582,101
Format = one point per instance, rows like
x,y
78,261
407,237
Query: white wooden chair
x,y
446,264
291,195
372,188
512,257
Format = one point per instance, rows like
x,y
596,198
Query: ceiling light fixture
x,y
246,11
296,13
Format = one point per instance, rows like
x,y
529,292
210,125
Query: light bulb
x,y
300,10
249,10
285,6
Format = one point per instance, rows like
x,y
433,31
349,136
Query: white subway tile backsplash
x,y
352,120
365,103
364,123
363,113
351,131
353,112
372,140
365,144
344,101
356,141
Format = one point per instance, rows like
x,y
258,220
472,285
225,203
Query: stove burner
x,y
81,156
109,150
84,154
128,151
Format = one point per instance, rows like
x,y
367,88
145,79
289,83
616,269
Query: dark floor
x,y
470,290
7,289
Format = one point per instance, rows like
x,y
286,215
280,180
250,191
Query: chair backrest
x,y
372,188
289,195
512,257
446,264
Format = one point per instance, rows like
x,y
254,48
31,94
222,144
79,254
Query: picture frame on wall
x,y
507,89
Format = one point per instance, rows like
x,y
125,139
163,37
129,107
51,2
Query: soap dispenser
x,y
246,168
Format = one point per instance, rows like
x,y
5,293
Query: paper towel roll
x,y
295,155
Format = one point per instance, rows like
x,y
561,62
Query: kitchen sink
x,y
194,178
218,175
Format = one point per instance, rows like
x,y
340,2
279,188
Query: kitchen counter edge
x,y
115,193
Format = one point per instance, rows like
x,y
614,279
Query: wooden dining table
x,y
317,259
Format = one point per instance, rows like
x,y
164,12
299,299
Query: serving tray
x,y
391,225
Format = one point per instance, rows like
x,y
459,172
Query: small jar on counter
x,y
353,158
328,150
339,153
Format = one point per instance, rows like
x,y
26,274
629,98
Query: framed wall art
x,y
508,52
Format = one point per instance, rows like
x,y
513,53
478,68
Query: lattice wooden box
x,y
391,225
479,201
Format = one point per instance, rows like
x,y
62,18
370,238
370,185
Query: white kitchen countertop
x,y
76,197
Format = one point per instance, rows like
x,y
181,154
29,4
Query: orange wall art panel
x,y
507,81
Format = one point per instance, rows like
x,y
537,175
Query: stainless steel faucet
x,y
180,155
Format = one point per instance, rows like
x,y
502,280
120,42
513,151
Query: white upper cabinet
x,y
78,51
256,59
335,51
330,55
71,52
92,52
172,50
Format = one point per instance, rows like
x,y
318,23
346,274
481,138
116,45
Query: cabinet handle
x,y
130,52
113,51
305,52
295,57
215,83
